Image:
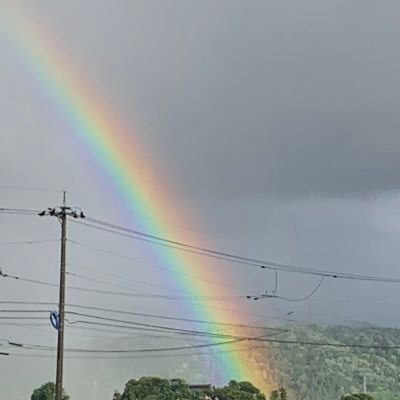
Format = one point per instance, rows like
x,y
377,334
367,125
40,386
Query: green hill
x,y
326,373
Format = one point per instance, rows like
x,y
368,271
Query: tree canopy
x,y
318,372
238,391
153,388
357,396
47,392
279,394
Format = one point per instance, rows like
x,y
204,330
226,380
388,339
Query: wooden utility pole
x,y
61,302
62,213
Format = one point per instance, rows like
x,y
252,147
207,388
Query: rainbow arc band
x,y
147,201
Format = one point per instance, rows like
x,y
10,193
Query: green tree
x,y
357,396
47,392
275,395
238,391
117,396
280,394
153,388
315,373
283,393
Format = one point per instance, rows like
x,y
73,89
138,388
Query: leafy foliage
x,y
238,391
317,372
153,388
46,392
357,396
279,394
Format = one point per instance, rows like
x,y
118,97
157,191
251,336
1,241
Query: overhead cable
x,y
266,264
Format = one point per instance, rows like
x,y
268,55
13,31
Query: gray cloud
x,y
276,121
258,99
263,99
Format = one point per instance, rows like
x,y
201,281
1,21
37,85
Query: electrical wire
x,y
39,241
23,311
23,318
157,316
88,278
136,234
121,277
129,294
18,211
152,265
135,290
155,326
123,351
191,354
214,344
40,303
266,264
306,297
35,303
30,188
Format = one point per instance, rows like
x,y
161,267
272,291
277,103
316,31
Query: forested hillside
x,y
325,373
308,372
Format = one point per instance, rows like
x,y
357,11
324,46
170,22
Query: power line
x,y
122,351
152,265
135,234
35,303
169,317
24,324
29,280
29,188
155,316
273,296
128,327
306,297
161,327
169,296
191,354
237,312
188,347
121,277
23,311
23,318
167,334
128,294
18,210
38,241
266,264
80,276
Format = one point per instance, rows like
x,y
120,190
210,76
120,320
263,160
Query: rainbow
x,y
122,159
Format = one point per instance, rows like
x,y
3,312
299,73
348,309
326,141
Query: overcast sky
x,y
276,122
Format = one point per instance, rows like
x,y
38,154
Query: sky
x,y
274,123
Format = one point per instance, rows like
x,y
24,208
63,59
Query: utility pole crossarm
x,y
62,213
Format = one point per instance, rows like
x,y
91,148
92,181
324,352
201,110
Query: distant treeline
x,y
318,372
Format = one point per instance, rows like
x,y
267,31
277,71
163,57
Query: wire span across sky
x,y
226,256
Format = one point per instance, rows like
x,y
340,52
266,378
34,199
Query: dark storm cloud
x,y
252,98
291,102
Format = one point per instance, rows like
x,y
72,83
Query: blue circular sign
x,y
55,320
